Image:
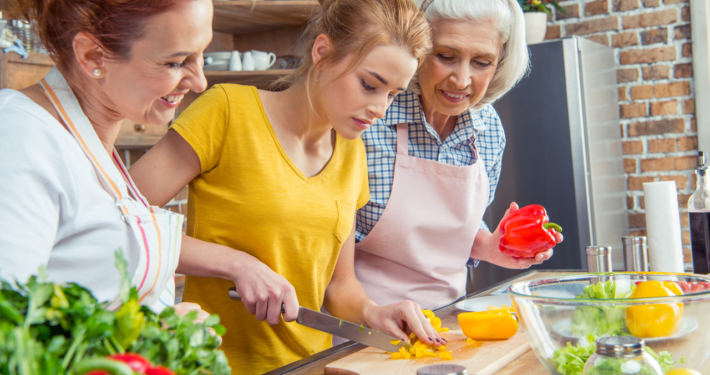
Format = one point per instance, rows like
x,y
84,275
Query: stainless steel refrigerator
x,y
563,152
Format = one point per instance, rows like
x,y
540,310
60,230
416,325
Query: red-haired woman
x,y
66,201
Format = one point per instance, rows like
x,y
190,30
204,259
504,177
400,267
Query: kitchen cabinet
x,y
17,73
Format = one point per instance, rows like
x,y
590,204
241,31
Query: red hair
x,y
116,24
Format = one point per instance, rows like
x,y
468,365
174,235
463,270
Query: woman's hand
x,y
184,308
399,319
486,248
264,292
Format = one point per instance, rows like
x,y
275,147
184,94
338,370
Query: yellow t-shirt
x,y
251,197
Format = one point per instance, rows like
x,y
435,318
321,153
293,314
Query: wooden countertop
x,y
314,364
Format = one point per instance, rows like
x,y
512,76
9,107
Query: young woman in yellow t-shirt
x,y
275,181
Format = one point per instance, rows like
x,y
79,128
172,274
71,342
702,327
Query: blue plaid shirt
x,y
424,142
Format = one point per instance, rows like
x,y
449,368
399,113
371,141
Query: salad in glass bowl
x,y
563,317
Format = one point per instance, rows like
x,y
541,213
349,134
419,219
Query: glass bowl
x,y
558,324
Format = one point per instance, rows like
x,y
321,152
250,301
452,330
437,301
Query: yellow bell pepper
x,y
494,324
654,320
673,287
420,349
683,371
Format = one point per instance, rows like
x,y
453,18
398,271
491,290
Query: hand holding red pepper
x,y
527,232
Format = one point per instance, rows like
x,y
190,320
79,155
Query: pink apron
x,y
419,247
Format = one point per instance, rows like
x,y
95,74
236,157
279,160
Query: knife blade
x,y
343,328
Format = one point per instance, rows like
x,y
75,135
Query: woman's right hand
x,y
263,291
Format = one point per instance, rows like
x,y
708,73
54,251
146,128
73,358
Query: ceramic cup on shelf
x,y
263,60
235,63
247,62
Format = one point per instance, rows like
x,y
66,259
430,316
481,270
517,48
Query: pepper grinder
x,y
598,259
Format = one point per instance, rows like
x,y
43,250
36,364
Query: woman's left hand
x,y
400,318
183,308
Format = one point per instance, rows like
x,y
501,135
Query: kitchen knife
x,y
342,328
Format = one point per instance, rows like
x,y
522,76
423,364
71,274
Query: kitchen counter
x,y
314,364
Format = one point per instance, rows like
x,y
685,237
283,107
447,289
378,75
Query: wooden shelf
x,y
245,16
260,79
17,73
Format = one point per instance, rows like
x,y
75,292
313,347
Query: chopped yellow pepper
x,y
654,320
435,321
420,349
494,324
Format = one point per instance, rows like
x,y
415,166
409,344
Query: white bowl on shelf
x,y
217,60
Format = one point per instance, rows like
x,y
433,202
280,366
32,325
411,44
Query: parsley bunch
x,y
46,328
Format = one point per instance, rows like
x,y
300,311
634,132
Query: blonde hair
x,y
507,16
357,26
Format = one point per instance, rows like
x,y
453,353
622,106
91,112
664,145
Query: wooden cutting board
x,y
486,359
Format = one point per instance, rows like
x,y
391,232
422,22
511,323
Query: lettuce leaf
x,y
602,320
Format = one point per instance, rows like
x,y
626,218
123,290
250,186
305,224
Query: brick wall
x,y
651,41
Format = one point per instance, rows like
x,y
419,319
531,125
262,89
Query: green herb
x,y
340,324
570,360
665,359
602,320
45,329
361,328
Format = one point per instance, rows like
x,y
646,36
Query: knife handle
x,y
235,296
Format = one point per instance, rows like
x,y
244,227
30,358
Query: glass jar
x,y
621,355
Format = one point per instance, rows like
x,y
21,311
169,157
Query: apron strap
x,y
402,138
62,98
129,181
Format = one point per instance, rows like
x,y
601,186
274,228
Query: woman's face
x,y
455,76
163,66
352,102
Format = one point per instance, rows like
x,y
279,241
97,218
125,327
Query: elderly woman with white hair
x,y
434,160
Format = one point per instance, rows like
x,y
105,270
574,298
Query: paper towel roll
x,y
665,245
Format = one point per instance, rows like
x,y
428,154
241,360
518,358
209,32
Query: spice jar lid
x,y
634,240
620,346
448,369
598,250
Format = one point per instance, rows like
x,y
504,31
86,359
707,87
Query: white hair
x,y
507,16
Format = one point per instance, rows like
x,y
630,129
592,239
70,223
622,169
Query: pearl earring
x,y
97,72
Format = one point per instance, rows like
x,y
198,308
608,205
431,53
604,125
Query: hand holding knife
x,y
347,330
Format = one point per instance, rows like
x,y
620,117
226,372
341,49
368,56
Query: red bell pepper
x,y
136,362
527,232
159,370
120,364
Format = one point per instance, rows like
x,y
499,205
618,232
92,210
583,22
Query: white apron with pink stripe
x,y
156,233
419,247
